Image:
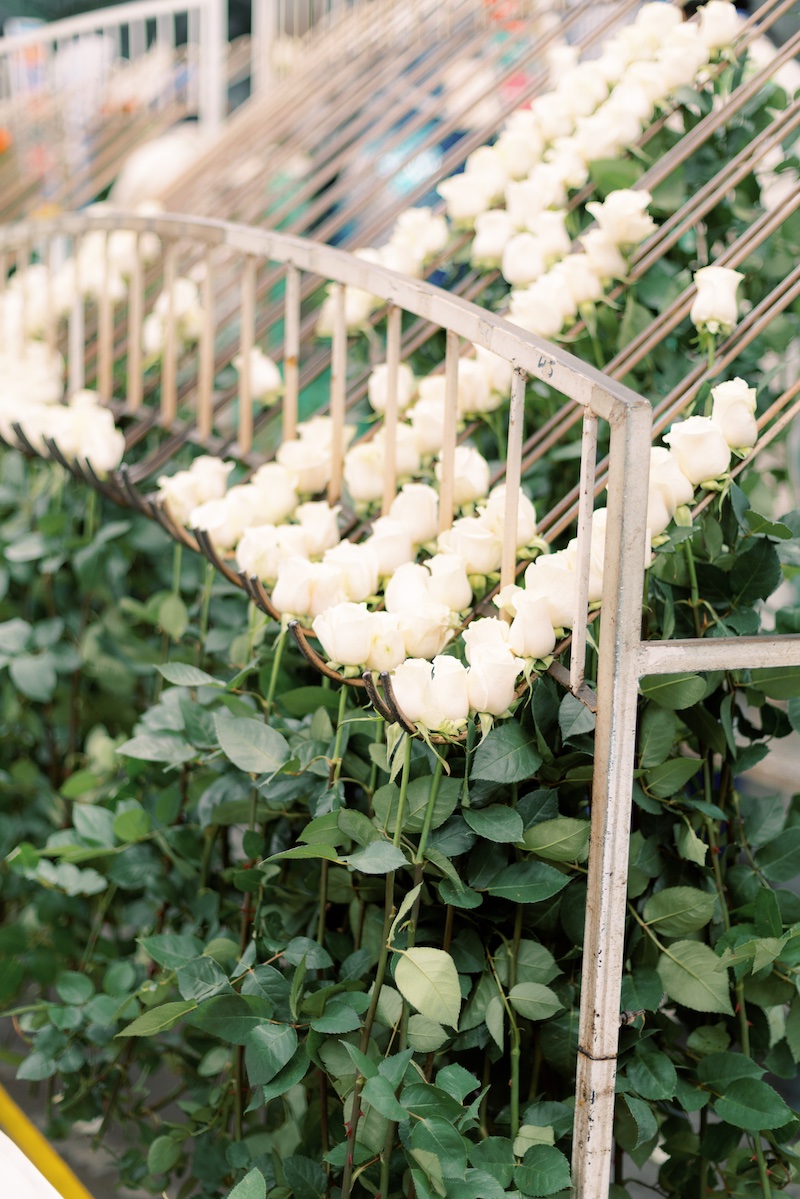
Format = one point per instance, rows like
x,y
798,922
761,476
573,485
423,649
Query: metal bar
x,y
245,349
577,653
291,352
516,425
338,390
169,351
448,454
718,653
135,321
75,335
206,373
615,744
393,332
105,355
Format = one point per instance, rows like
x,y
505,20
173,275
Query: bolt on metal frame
x,y
623,656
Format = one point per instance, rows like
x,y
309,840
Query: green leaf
x,y
533,1001
644,1119
173,616
428,980
303,949
753,1105
676,911
172,949
652,1075
386,800
337,1018
657,730
564,839
163,1154
355,825
755,574
405,907
34,675
131,825
37,1067
250,744
380,1094
496,1156
495,1020
267,1049
612,174
691,976
73,987
426,1035
691,847
14,636
157,1019
438,1136
641,990
305,1177
718,1070
671,776
378,858
544,1171
778,682
306,851
157,747
252,1186
288,1076
528,882
181,674
496,823
673,691
507,754
232,1018
201,978
779,860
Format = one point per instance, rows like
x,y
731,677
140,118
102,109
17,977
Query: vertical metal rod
x,y
248,320
615,744
516,422
577,653
169,363
206,374
48,254
338,390
291,355
135,322
105,330
448,455
76,339
23,255
393,332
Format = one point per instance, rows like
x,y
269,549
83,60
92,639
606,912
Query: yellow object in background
x,y
39,1152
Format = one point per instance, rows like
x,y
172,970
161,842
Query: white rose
x,y
206,479
262,548
265,378
523,259
668,489
309,465
417,507
494,514
582,88
473,387
401,257
568,163
408,588
345,633
734,411
491,683
560,58
580,278
392,543
411,683
720,24
553,113
658,19
98,441
426,630
492,232
622,216
700,448
225,520
275,485
471,475
552,578
448,581
307,588
543,308
475,543
486,636
448,696
527,198
597,553
358,565
499,371
378,386
406,454
489,167
427,421
358,307
387,648
153,335
604,256
364,468
424,232
318,430
320,525
466,197
682,56
531,634
638,93
714,306
519,149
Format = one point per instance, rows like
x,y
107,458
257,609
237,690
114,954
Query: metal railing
x,y
175,400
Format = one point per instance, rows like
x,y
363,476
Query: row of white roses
x,y
514,193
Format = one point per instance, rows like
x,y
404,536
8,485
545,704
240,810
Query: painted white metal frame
x,y
623,656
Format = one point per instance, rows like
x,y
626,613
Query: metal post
x,y
213,98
